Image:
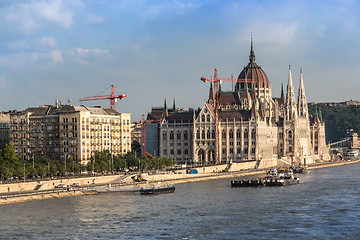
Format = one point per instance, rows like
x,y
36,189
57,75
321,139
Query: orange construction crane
x,y
217,81
113,98
143,134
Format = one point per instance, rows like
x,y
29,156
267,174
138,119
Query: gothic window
x,y
290,135
202,118
208,134
231,134
197,134
186,135
246,134
171,135
231,150
213,134
164,136
178,135
203,134
208,118
253,135
238,134
223,134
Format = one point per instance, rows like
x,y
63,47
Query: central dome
x,y
252,73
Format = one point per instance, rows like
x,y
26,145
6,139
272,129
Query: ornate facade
x,y
253,126
69,132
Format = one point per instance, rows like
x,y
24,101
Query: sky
x,y
154,50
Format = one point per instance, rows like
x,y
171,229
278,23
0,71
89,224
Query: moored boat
x,y
157,189
272,178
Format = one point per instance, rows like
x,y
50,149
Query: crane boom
x,y
112,97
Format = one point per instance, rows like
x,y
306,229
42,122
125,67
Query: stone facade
x,y
4,129
253,126
69,132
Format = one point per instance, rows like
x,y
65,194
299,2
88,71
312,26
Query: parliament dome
x,y
253,74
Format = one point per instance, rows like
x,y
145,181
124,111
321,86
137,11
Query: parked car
x,y
75,185
61,185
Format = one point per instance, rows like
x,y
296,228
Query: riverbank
x,y
168,178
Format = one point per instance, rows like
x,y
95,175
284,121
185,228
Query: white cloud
x,y
56,56
17,44
32,15
92,19
48,41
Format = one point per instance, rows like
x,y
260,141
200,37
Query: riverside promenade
x,y
22,192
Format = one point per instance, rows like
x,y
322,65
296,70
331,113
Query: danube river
x,y
325,205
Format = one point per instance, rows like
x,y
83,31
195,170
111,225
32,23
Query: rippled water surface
x,y
326,205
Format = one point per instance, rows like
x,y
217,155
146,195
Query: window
x,y
208,118
213,134
246,134
253,135
164,136
202,118
223,134
178,135
179,151
208,134
171,135
197,134
290,135
231,134
186,135
203,134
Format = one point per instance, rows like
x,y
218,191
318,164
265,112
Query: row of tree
x,y
338,120
13,167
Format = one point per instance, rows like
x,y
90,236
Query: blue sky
x,y
152,50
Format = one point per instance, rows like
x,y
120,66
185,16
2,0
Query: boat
x,y
273,178
157,189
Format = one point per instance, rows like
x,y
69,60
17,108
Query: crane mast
x,y
217,81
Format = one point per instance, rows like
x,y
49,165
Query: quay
x,y
22,192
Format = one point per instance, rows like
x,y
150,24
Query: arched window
x,y
208,134
208,118
203,118
238,134
186,135
164,136
171,135
203,134
197,134
231,134
253,135
178,135
223,135
290,135
246,134
213,134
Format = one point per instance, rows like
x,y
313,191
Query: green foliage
x,y
338,120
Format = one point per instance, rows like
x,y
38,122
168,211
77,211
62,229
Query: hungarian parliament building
x,y
253,126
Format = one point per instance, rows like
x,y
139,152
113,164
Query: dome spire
x,y
252,55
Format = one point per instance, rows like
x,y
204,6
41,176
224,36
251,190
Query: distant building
x,y
69,132
4,129
253,126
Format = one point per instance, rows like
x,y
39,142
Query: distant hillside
x,y
338,119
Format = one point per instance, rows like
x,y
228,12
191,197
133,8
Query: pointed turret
x,y
211,93
291,110
302,103
282,97
165,107
174,106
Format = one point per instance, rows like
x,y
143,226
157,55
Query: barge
x,y
272,178
157,189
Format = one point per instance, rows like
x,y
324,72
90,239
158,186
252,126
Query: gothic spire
x,y
165,107
211,92
291,111
282,97
302,103
252,55
174,106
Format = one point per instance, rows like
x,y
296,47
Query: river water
x,y
325,205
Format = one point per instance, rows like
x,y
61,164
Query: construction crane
x,y
113,98
217,81
143,134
